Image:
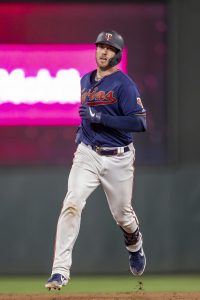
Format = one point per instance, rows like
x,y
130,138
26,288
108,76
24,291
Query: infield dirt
x,y
118,296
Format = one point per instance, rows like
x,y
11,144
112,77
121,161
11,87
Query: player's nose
x,y
104,50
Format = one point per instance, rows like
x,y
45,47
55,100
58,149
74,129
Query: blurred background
x,y
163,46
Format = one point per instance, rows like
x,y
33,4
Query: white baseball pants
x,y
89,170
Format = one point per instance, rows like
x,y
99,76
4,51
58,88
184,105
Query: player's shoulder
x,y
87,76
125,79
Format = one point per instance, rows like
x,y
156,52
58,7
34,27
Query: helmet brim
x,y
110,44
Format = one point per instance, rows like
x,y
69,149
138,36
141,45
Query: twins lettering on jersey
x,y
95,97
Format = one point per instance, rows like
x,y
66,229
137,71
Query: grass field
x,y
103,284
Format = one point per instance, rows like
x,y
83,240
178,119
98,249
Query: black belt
x,y
110,152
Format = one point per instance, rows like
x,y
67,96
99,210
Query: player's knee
x,y
73,204
72,208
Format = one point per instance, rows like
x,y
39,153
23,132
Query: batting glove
x,y
88,113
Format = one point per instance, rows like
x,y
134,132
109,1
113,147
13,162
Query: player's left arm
x,y
132,118
131,123
133,111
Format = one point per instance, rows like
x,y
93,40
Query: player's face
x,y
103,55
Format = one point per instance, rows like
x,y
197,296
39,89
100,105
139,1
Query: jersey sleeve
x,y
132,117
130,101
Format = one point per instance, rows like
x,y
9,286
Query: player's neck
x,y
102,73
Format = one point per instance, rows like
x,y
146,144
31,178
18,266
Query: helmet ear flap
x,y
116,59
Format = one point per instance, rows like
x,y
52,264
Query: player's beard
x,y
103,68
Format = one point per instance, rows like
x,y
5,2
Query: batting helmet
x,y
113,39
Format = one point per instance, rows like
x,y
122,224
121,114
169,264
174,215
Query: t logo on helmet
x,y
108,36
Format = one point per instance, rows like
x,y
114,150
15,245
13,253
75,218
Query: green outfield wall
x,y
165,199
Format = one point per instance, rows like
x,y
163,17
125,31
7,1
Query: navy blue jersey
x,y
114,95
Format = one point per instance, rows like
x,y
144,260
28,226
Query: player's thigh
x,y
83,177
118,182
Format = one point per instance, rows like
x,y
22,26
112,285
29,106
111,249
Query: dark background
x,y
144,29
167,179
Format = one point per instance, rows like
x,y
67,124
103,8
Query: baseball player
x,y
111,111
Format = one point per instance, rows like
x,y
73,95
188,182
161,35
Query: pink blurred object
x,y
40,84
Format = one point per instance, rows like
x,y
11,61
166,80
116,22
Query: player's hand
x,y
89,113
